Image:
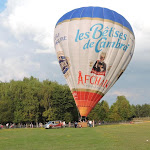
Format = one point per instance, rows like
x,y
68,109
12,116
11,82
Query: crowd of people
x,y
76,124
20,125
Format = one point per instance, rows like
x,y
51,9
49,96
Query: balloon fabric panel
x,y
94,45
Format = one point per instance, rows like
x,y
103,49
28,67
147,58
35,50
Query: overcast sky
x,y
27,49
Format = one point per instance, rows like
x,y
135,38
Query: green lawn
x,y
107,137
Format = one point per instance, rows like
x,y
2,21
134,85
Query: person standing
x,y
69,124
7,125
90,123
64,124
75,124
93,123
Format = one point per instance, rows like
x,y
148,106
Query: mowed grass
x,y
106,137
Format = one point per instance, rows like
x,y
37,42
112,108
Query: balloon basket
x,y
82,124
83,118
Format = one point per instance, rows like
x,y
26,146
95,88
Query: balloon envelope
x,y
94,46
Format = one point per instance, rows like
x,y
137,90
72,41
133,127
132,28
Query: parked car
x,y
53,124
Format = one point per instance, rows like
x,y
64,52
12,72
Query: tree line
x,y
121,110
31,100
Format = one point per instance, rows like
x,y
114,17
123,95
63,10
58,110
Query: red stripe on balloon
x,y
86,99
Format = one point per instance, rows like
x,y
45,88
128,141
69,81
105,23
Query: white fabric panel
x,y
83,42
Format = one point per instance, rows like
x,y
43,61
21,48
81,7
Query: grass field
x,y
107,137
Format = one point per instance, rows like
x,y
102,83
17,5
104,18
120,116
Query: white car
x,y
53,124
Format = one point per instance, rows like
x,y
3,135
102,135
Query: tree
x,y
104,110
46,100
100,112
120,110
133,110
68,117
138,109
36,101
50,114
114,113
95,113
6,104
145,110
6,111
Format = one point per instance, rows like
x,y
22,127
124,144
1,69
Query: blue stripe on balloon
x,y
96,12
108,14
87,12
77,13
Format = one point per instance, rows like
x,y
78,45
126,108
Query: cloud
x,y
55,63
17,68
36,20
135,96
24,20
26,42
4,44
43,51
122,92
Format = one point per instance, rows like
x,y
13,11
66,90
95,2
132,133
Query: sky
x,y
27,49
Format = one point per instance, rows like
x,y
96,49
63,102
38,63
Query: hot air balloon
x,y
94,45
